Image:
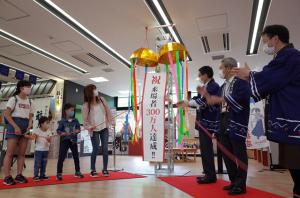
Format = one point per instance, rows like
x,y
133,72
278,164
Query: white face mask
x,y
221,74
95,92
268,50
27,91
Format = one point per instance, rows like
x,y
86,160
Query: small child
x,y
68,129
42,138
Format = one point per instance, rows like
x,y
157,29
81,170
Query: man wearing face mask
x,y
206,115
234,99
279,84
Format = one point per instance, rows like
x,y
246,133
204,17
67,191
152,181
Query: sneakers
x,y
36,178
59,177
44,177
9,181
21,179
105,173
94,174
78,175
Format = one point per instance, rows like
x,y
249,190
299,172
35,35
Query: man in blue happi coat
x,y
234,98
206,115
279,84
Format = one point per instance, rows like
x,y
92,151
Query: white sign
x,y
256,138
153,117
41,108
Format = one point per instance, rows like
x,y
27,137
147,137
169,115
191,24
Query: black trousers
x,y
295,173
207,155
237,175
65,145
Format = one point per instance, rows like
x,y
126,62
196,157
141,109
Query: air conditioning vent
x,y
226,41
218,57
90,59
215,42
97,59
108,70
205,44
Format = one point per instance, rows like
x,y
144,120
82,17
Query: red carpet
x,y
189,185
68,179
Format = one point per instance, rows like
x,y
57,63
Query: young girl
x,y
42,138
96,119
68,129
19,112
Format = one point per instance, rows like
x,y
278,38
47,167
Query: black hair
x,y
21,84
42,120
277,30
66,107
207,70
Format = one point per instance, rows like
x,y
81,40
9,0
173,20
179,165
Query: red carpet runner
x,y
189,185
68,179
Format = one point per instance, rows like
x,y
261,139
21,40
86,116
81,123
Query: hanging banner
x,y
256,138
41,108
153,117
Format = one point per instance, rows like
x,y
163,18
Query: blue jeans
x,y
40,163
97,136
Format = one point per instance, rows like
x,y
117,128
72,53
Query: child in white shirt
x,y
42,138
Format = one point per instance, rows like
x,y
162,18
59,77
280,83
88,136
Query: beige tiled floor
x,y
275,182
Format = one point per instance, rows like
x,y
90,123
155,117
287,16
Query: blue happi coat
x,y
279,84
207,114
238,101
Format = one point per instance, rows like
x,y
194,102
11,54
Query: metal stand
x,y
114,154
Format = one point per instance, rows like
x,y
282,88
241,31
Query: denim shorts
x,y
22,124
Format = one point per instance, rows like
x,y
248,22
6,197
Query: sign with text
x,y
153,117
256,138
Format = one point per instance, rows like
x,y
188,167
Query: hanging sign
x,y
153,117
256,138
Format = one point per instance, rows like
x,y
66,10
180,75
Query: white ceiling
x,y
121,25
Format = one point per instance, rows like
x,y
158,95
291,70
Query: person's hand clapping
x,y
202,91
182,103
242,73
214,100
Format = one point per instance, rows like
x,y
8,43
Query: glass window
x,y
41,88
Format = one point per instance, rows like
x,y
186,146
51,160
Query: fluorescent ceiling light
x,y
160,13
259,14
40,51
74,24
257,19
163,15
99,79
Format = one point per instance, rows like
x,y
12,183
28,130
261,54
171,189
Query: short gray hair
x,y
229,62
